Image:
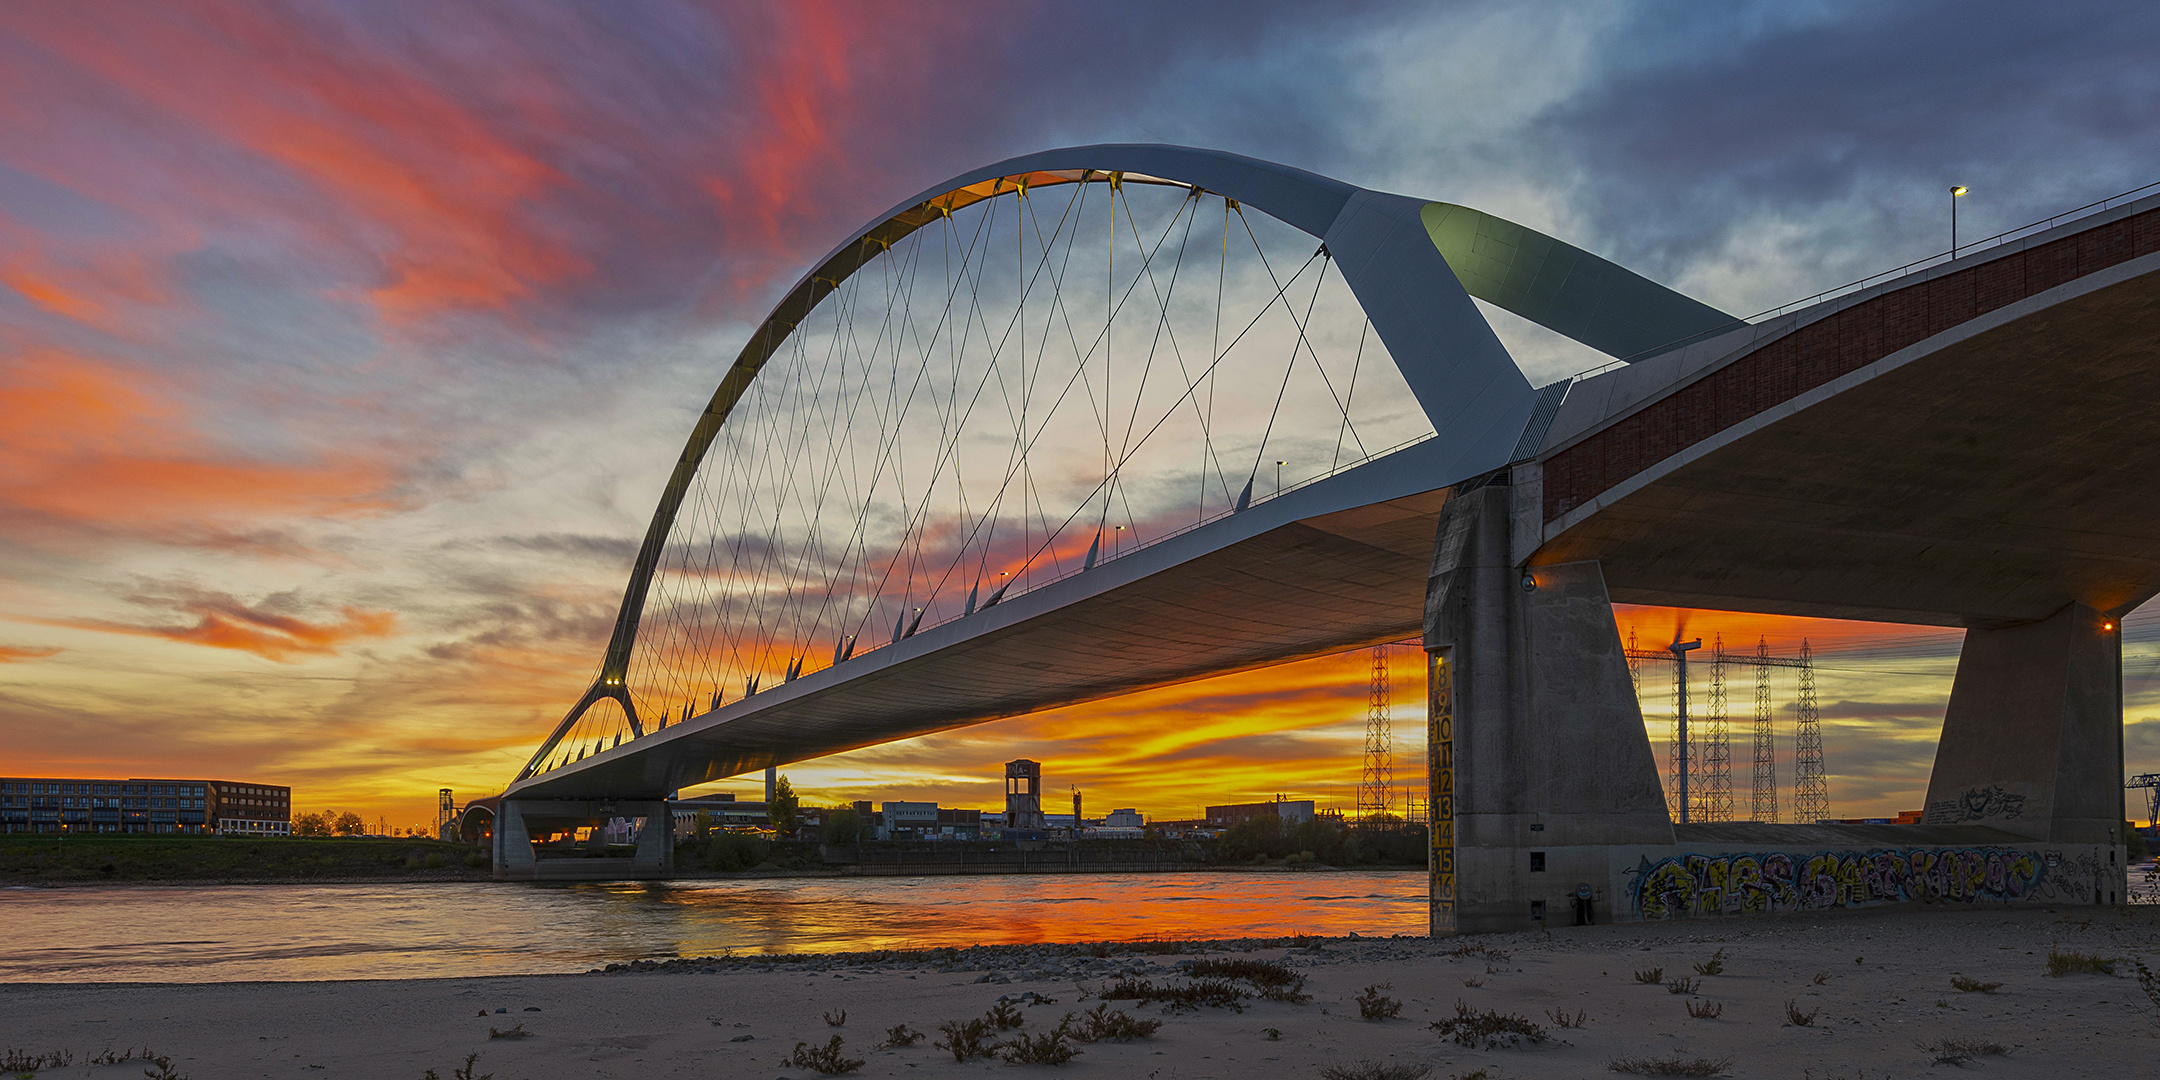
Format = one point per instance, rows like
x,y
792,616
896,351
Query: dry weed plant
x,y
1960,1051
2078,963
1680,986
1374,1005
1822,978
899,1037
1005,1016
1705,1010
1651,976
1103,1023
1713,966
1796,1018
1488,1029
1048,1048
1561,1019
1273,980
966,1039
1190,997
1973,986
836,1019
824,1059
1373,1070
515,1031
1473,982
1670,1066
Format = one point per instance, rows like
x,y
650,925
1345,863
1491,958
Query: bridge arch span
x,y
1402,272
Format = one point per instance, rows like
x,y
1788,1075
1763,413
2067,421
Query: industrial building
x,y
1292,812
48,804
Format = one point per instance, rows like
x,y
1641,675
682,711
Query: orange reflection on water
x,y
404,930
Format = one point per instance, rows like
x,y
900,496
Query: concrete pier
x,y
517,858
1547,808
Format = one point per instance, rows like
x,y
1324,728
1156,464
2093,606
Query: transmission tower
x,y
1811,794
1375,792
1634,667
1714,780
1765,806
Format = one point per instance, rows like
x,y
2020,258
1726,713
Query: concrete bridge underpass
x,y
1107,418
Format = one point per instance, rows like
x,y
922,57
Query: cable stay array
x,y
1031,383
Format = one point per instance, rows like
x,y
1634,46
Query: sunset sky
x,y
344,347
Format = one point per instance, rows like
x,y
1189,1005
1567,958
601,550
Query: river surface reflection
x,y
225,933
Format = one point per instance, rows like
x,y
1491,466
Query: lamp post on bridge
x,y
1956,193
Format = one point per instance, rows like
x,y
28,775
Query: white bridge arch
x,y
1302,570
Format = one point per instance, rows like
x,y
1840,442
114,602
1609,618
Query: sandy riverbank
x,y
1885,987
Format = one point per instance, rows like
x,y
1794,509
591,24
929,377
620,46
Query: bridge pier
x,y
1547,807
1534,710
558,858
2032,740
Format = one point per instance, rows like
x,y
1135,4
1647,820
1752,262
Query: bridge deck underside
x,y
1307,588
1989,479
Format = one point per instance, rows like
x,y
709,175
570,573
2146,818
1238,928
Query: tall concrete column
x,y
2032,740
513,843
1538,733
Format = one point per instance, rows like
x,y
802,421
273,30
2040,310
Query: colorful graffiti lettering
x,y
1753,884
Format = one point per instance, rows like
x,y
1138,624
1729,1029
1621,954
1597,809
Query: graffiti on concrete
x,y
1976,804
1764,882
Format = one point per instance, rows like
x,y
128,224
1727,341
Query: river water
x,y
402,930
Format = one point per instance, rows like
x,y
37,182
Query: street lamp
x,y
1680,649
1955,193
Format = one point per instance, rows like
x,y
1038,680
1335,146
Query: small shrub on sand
x,y
2149,982
1103,1023
1561,1019
824,1059
1705,1010
1489,1028
1713,966
2078,963
1460,952
1973,986
1274,980
1796,1018
900,1037
462,1072
1822,978
965,1038
1200,992
1005,1016
836,1019
1373,1070
514,1031
1049,1048
1651,976
1670,1066
1374,1005
1473,982
23,1061
1680,986
1960,1051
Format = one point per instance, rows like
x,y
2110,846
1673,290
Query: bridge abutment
x,y
558,856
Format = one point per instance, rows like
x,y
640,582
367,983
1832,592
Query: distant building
x,y
722,811
1223,817
1023,795
959,824
1127,818
47,804
909,821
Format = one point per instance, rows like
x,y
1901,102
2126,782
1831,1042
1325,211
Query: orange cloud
x,y
15,654
90,443
224,622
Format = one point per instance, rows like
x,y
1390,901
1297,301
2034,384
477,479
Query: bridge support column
x,y
2032,740
1541,762
517,820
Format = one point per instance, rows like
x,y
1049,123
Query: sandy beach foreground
x,y
1878,986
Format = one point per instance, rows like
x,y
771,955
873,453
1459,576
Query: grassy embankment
x,y
80,859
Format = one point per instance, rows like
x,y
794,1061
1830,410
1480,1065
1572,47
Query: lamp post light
x,y
1955,194
1680,649
1278,476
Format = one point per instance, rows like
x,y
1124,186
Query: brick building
x,y
51,804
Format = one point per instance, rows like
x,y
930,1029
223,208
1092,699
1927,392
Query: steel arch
x,y
1413,266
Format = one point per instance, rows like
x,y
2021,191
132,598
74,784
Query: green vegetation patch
x,y
85,859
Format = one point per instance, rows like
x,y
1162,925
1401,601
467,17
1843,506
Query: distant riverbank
x,y
123,859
